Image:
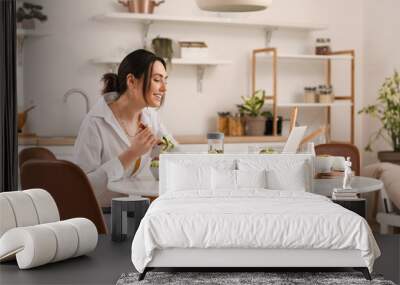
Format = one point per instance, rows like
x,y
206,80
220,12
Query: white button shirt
x,y
101,140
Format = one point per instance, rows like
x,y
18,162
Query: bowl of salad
x,y
154,168
165,145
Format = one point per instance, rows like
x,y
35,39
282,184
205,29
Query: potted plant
x,y
251,108
387,110
162,47
27,14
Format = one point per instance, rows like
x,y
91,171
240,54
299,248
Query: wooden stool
x,y
126,214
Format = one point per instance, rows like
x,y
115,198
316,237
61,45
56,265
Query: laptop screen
x,y
294,139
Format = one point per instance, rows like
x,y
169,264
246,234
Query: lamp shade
x,y
233,5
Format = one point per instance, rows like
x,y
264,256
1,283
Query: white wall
x,y
382,56
55,63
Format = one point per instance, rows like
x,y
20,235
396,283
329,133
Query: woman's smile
x,y
158,96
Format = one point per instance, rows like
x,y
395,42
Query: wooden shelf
x,y
29,33
274,55
200,64
313,105
106,60
154,18
176,61
307,57
199,61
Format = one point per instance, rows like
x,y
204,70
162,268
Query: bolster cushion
x,y
26,208
40,244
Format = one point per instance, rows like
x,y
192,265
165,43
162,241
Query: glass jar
x,y
317,46
236,125
310,95
322,46
215,142
223,122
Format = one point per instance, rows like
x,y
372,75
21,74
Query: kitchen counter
x,y
42,141
202,139
193,139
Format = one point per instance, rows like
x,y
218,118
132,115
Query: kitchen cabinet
x,y
63,148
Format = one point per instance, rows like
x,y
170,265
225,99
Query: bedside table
x,y
358,206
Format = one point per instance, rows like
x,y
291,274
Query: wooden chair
x,y
39,153
341,149
68,185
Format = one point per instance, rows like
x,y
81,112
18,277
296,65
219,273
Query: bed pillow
x,y
223,179
291,179
188,177
251,179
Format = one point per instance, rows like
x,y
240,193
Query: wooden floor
x,y
111,259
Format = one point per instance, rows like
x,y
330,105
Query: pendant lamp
x,y
233,5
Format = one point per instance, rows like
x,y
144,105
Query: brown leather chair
x,y
68,185
35,153
341,149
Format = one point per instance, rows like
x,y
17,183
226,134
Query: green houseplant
x,y
162,47
27,13
251,109
387,110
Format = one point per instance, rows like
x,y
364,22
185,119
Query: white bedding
x,y
251,218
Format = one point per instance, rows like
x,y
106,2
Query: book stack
x,y
344,194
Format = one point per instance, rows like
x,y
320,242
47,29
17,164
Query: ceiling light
x,y
233,5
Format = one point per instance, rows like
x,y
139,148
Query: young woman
x,y
118,134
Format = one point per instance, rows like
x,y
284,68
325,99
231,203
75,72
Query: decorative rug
x,y
269,278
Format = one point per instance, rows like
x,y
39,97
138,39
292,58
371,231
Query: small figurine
x,y
347,174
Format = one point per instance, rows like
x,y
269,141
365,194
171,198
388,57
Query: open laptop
x,y
294,139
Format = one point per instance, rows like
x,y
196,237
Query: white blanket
x,y
251,218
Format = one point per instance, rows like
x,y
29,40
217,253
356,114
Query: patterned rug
x,y
243,278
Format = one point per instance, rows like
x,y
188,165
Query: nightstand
x,y
358,206
126,214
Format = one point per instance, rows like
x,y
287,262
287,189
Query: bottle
x,y
215,142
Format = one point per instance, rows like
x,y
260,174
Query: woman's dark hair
x,y
138,63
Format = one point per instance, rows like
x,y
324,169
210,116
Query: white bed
x,y
217,211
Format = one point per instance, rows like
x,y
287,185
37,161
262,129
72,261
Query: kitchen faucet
x,y
78,91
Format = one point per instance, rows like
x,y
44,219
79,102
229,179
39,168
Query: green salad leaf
x,y
155,163
167,144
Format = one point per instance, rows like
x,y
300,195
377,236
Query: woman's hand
x,y
141,143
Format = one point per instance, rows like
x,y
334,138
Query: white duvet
x,y
252,218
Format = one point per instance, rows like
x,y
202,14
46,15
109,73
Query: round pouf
x,y
126,214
